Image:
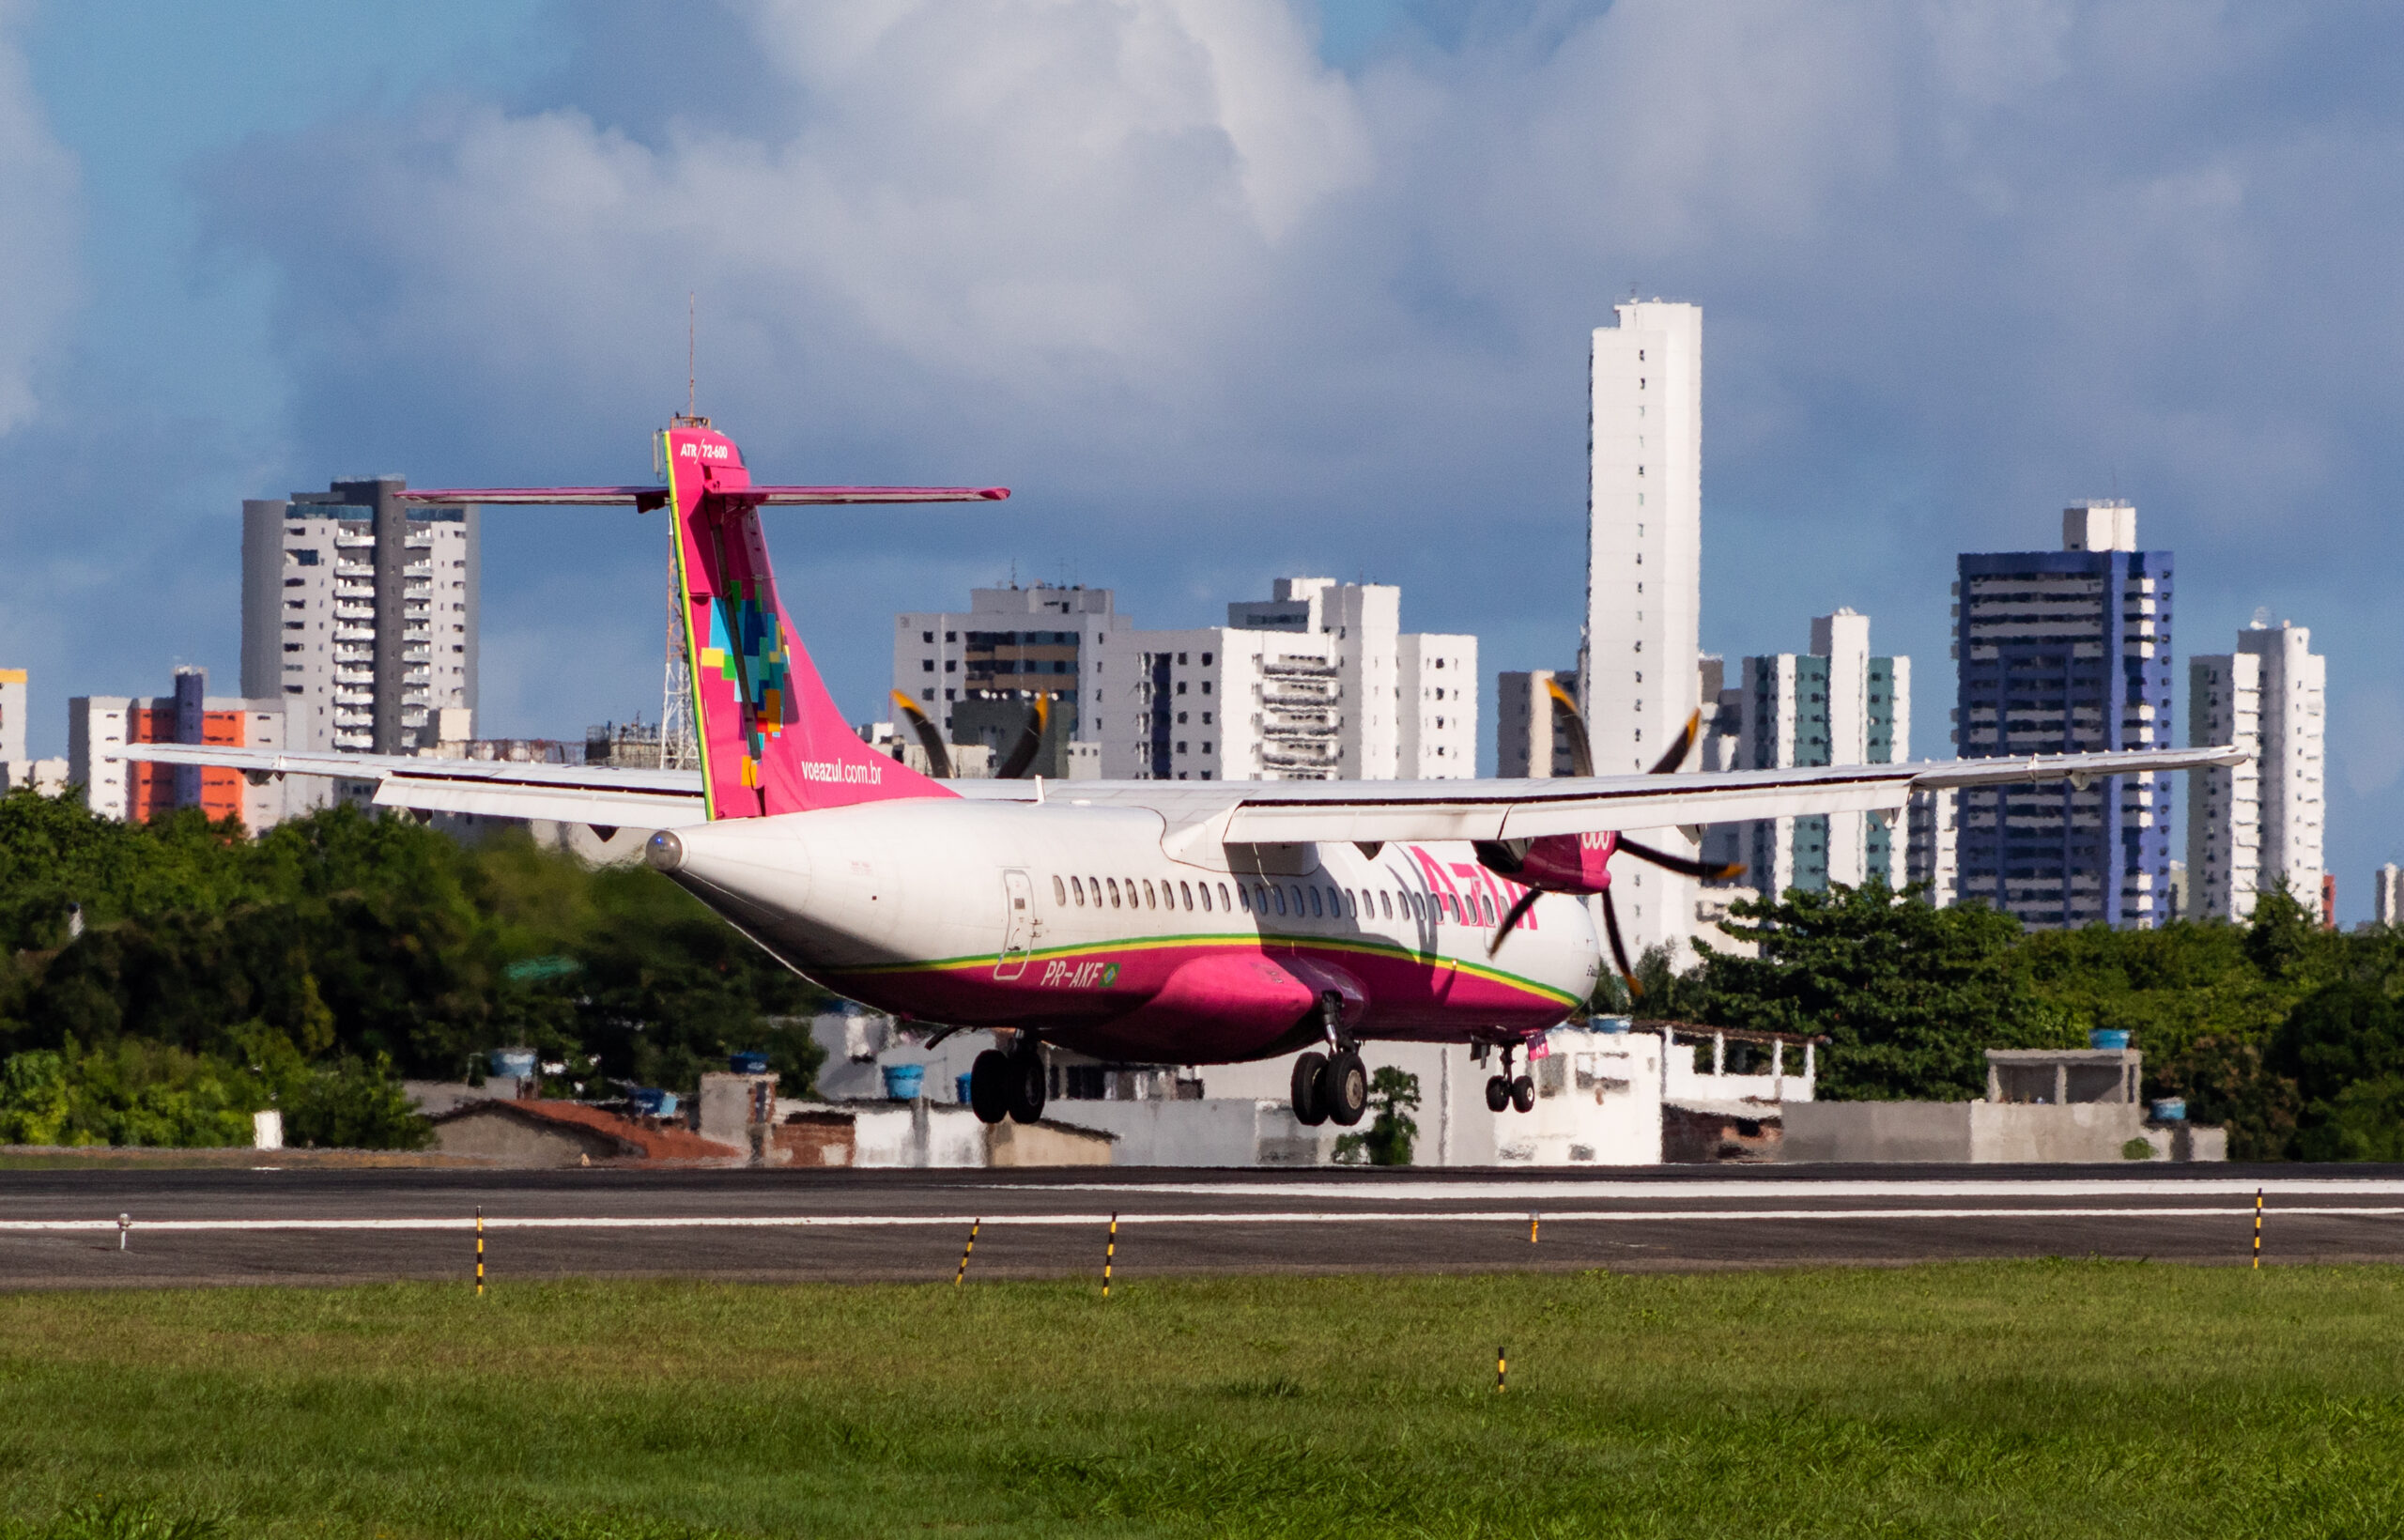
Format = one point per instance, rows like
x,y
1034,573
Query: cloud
x,y
39,281
1216,307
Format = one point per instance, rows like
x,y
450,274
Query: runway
x,y
62,1229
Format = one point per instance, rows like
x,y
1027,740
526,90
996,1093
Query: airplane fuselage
x,y
1076,922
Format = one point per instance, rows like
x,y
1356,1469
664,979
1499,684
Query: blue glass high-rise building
x,y
2064,652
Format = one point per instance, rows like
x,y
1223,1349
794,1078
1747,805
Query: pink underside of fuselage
x,y
1213,1001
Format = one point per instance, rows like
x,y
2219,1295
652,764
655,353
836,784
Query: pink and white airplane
x,y
1180,922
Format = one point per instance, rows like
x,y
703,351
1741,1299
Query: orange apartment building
x,y
119,788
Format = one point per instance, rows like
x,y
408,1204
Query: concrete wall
x,y
1984,1133
1015,1143
1223,1132
1877,1130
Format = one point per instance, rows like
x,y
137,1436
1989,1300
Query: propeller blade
x,y
1511,920
1581,747
1030,743
1669,763
1619,947
1683,866
1503,857
938,756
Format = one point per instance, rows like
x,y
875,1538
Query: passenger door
x,y
1018,933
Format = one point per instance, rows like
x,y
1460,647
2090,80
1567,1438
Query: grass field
x,y
2054,1399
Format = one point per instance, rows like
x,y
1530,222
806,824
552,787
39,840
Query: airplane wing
x,y
1233,812
604,796
1280,813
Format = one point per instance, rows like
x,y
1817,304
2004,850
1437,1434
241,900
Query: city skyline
x,y
1331,334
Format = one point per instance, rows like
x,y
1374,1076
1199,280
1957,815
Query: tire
x,y
1523,1094
1310,1096
1497,1094
1025,1084
989,1085
1347,1093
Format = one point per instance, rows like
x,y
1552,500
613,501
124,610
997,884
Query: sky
x,y
1225,289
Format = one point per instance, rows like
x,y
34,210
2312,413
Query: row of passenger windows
x,y
1297,899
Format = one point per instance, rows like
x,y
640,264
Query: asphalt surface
x,y
60,1229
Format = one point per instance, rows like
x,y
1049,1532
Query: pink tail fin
x,y
772,740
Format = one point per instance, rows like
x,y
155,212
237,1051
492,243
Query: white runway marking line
x,y
1663,1191
1412,1216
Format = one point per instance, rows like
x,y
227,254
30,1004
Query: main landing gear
x,y
1009,1085
1331,1087
1507,1090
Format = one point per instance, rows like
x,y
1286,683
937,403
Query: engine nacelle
x,y
1555,863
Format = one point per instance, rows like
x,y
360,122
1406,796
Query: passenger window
x,y
1244,896
1336,902
1444,902
1316,912
1114,891
1486,900
1385,902
1150,902
1079,889
1279,894
1260,899
1060,894
1188,893
1298,899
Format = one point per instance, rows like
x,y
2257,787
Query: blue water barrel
x,y
2169,1109
651,1102
513,1061
961,1083
1610,1023
747,1064
903,1081
2113,1037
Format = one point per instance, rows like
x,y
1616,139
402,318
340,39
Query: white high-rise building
x,y
359,614
1317,683
1836,705
2387,896
2252,824
1637,664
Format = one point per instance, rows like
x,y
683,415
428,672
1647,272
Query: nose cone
x,y
666,853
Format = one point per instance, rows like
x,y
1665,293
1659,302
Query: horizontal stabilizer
x,y
647,497
610,796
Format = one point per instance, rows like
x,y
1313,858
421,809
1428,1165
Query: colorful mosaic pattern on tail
x,y
772,740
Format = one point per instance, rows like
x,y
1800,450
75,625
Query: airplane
x,y
1180,922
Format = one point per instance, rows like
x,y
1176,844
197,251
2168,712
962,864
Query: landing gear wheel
x,y
1310,1094
1347,1088
1497,1093
1027,1086
989,1085
1523,1094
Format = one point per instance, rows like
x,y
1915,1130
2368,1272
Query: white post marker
x,y
124,1223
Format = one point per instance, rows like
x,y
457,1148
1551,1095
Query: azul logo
x,y
1080,975
696,451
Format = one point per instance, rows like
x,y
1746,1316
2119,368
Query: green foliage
x,y
310,968
1392,1133
2227,1085
1910,996
2138,1149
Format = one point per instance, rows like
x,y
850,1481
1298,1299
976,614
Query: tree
x,y
1909,995
2226,1084
2340,1048
1392,1134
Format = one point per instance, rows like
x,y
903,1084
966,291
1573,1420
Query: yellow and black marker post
x,y
2258,1228
971,1246
1532,1228
1109,1256
480,1251
1502,1370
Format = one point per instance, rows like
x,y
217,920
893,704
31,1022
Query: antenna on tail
x,y
690,420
